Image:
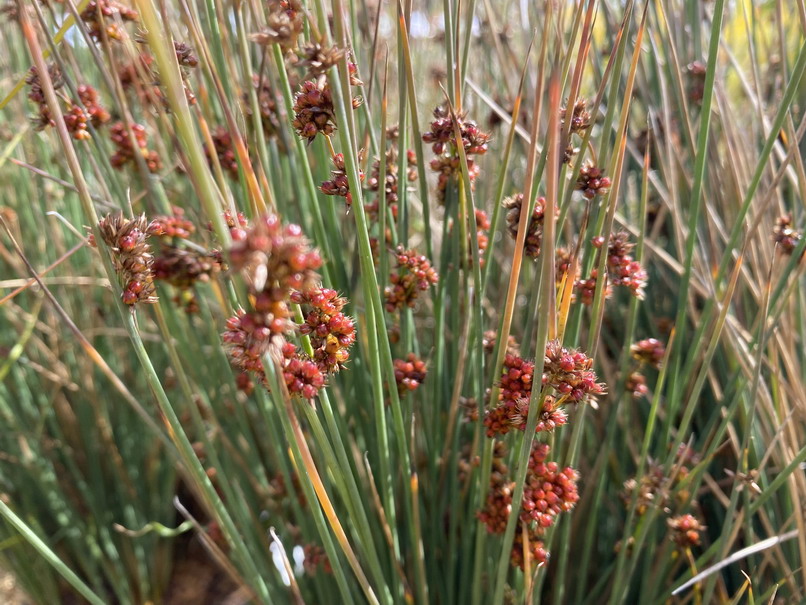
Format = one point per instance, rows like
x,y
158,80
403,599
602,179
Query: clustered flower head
x,y
785,234
331,332
649,351
685,530
548,492
76,118
338,184
175,225
315,558
409,373
534,229
318,60
283,25
592,181
141,74
392,179
414,275
482,234
275,260
696,80
636,384
567,371
490,338
622,269
125,153
580,117
301,374
101,16
654,487
442,139
184,267
224,151
131,253
267,106
314,112
91,100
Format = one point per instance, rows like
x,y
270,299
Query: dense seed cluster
x,y
548,492
274,260
314,112
338,184
410,373
592,181
442,139
569,373
392,180
785,234
580,117
685,530
90,98
649,351
184,267
224,150
283,25
131,254
173,226
76,118
414,274
623,270
534,229
101,18
125,152
267,106
301,374
636,384
331,332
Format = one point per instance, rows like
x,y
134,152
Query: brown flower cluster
x,y
685,530
592,181
482,235
267,106
568,372
392,180
141,75
442,139
131,254
785,234
224,151
696,81
649,351
314,112
301,374
275,260
76,117
655,487
409,373
548,492
91,100
580,117
534,229
175,225
414,274
103,16
622,270
338,184
315,558
283,24
332,333
125,152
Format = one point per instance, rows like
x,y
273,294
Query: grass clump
x,y
377,302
